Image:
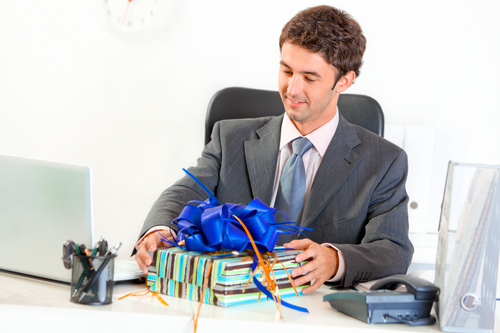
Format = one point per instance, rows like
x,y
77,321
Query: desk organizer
x,y
100,290
178,273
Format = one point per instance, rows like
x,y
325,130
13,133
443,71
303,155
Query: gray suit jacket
x,y
357,202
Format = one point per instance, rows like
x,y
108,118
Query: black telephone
x,y
383,305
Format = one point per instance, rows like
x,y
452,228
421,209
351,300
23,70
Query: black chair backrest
x,y
235,103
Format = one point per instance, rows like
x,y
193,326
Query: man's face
x,y
305,85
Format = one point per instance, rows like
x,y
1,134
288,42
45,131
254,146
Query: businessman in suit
x,y
355,199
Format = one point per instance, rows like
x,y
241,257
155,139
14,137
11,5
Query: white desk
x,y
37,306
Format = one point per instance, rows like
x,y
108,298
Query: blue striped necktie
x,y
292,187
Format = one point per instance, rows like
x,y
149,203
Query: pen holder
x,y
92,279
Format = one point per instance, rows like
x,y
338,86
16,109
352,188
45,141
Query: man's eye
x,y
309,80
287,72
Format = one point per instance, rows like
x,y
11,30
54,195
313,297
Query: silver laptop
x,y
42,205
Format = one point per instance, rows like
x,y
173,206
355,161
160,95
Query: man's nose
x,y
294,86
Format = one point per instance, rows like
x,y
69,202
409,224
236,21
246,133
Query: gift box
x,y
225,277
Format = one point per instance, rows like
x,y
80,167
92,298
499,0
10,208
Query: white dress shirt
x,y
320,139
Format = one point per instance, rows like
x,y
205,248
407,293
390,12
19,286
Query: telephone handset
x,y
382,304
422,289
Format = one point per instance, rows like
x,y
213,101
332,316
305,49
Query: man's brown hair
x,y
332,33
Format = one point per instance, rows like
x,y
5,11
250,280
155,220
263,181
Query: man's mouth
x,y
295,103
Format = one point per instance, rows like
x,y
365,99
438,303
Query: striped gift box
x,y
179,273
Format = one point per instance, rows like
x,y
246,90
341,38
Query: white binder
x,y
468,248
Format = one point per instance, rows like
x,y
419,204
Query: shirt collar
x,y
320,138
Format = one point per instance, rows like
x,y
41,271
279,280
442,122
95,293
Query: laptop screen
x,y
42,205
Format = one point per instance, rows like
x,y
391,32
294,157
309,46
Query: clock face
x,y
131,20
132,15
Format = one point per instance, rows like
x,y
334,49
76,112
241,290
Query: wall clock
x,y
131,20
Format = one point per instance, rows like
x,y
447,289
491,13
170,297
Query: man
x,y
355,199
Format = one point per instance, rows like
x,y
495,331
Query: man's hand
x,y
148,246
324,263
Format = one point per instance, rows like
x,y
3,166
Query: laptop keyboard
x,y
127,271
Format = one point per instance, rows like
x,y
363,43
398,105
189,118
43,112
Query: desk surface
x,y
31,305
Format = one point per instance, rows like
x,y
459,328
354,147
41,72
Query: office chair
x,y
236,103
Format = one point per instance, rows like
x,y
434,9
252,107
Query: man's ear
x,y
345,82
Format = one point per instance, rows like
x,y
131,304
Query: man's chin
x,y
295,115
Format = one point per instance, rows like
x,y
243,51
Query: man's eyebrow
x,y
283,64
304,72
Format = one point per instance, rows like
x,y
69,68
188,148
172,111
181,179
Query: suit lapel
x,y
261,156
337,164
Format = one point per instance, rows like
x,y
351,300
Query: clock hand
x,y
126,10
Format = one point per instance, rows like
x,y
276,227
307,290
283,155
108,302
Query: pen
x,y
101,284
96,246
80,250
86,252
114,250
99,271
84,273
103,248
101,287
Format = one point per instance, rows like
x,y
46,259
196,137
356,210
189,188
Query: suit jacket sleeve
x,y
385,248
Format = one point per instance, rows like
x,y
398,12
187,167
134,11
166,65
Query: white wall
x,y
134,112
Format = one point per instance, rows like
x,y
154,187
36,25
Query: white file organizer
x,y
468,248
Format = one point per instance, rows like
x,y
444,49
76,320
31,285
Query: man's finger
x,y
142,257
304,269
152,248
318,283
311,251
306,273
145,250
141,264
299,244
308,277
167,244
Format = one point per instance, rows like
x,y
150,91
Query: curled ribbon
x,y
210,226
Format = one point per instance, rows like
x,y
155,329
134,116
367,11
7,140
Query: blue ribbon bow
x,y
210,226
